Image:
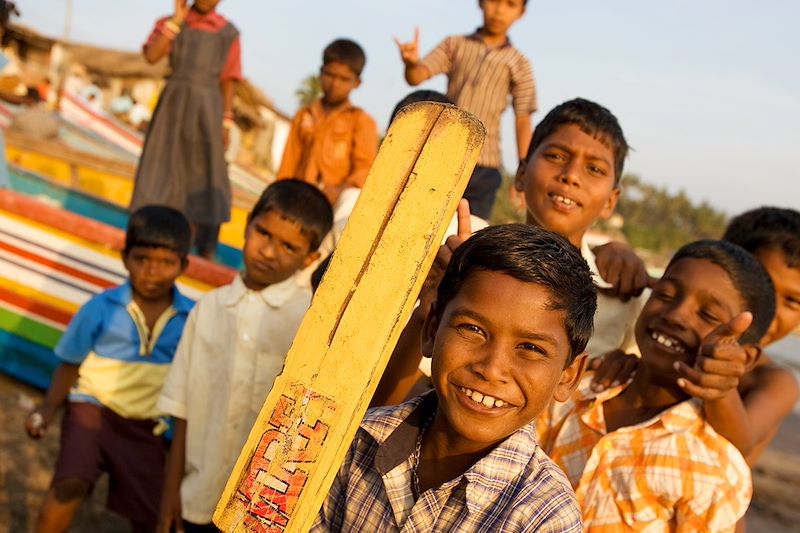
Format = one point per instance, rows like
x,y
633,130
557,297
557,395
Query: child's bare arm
x,y
160,45
769,396
715,376
39,419
524,130
415,72
402,371
170,512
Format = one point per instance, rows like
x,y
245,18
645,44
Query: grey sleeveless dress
x,y
183,161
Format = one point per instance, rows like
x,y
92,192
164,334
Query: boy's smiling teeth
x,y
564,200
483,399
667,342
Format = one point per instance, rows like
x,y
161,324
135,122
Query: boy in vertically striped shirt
x,y
482,70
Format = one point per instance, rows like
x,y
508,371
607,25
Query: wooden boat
x,y
51,262
96,156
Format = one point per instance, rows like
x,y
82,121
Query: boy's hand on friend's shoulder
x,y
623,269
409,52
612,369
720,363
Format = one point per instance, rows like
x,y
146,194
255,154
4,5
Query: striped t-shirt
x,y
123,364
480,79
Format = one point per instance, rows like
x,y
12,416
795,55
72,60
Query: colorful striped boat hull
x,y
51,262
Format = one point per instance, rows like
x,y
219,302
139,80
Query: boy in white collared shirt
x,y
233,347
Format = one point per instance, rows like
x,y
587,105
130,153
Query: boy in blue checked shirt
x,y
506,334
114,358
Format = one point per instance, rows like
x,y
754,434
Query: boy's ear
x,y
310,258
753,353
428,335
570,377
519,177
611,203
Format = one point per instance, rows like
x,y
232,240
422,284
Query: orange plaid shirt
x,y
670,473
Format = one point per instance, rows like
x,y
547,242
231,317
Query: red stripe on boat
x,y
36,307
58,267
102,234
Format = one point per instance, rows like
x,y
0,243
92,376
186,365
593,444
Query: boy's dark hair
x,y
535,255
346,52
299,202
768,227
748,277
422,95
593,119
159,226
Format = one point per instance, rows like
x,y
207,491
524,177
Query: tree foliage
x,y
310,89
659,221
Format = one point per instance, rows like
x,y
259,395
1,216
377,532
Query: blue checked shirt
x,y
516,487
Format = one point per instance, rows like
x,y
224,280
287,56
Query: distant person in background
x,y
332,143
183,161
483,69
6,10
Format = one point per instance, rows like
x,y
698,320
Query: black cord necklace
x,y
415,456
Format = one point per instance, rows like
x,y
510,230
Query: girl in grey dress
x,y
183,161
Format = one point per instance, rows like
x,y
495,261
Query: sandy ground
x,y
26,467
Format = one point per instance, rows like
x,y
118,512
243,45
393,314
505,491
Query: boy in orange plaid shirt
x,y
641,456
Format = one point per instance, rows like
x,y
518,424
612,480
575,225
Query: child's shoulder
x,y
689,429
222,295
121,295
548,480
380,422
542,495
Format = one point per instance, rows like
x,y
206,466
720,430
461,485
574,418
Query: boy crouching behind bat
x,y
506,335
234,344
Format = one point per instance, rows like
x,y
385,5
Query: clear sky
x,y
707,91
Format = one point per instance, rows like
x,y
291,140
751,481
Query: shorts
x,y
94,439
482,190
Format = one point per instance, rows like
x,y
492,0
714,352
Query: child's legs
x,y
136,461
60,505
78,466
481,191
206,237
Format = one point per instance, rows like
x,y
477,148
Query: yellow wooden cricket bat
x,y
346,338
